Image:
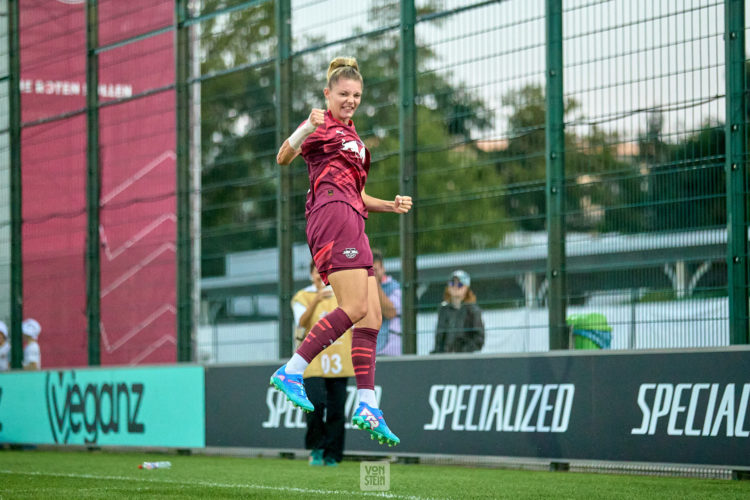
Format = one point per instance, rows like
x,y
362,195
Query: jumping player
x,y
336,209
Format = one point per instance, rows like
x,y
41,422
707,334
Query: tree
x,y
238,133
239,144
522,165
600,186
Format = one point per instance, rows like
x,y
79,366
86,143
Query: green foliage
x,y
521,165
664,186
237,134
468,198
686,179
239,141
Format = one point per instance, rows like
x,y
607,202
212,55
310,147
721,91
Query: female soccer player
x,y
336,209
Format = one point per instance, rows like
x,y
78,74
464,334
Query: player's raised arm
x,y
291,147
400,205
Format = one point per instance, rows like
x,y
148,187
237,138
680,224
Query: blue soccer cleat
x,y
293,387
371,420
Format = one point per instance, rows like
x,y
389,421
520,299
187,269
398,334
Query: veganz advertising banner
x,y
648,407
134,407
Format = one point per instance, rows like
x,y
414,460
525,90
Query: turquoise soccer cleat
x,y
371,420
293,387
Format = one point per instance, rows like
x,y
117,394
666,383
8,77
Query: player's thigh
x,y
374,317
350,287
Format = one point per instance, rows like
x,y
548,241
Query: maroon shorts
x,y
337,239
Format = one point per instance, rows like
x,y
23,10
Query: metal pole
x,y
555,192
184,214
284,204
93,186
194,90
736,170
408,168
633,301
16,248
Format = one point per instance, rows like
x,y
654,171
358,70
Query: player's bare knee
x,y
355,311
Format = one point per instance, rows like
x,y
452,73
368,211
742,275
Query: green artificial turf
x,y
110,475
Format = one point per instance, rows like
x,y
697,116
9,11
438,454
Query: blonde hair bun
x,y
341,62
343,67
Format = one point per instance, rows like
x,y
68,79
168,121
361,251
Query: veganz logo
x,y
73,409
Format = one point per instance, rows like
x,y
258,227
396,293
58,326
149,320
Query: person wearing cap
x,y
460,327
32,356
4,347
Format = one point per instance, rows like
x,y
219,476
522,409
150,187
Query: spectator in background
x,y
326,376
32,356
389,294
4,347
459,327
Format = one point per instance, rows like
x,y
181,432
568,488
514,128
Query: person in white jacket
x,y
32,355
4,347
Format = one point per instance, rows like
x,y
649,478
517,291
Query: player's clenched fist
x,y
402,204
317,117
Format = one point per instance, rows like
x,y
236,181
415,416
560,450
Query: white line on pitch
x,y
315,491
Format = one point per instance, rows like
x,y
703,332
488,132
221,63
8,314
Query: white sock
x,y
367,396
296,365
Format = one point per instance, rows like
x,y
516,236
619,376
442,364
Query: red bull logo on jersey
x,y
350,253
356,147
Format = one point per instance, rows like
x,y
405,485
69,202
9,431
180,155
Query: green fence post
x,y
736,170
408,168
16,242
284,198
555,188
93,185
184,212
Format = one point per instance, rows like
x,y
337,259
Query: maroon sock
x,y
324,333
364,341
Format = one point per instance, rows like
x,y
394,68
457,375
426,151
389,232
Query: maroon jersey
x,y
337,163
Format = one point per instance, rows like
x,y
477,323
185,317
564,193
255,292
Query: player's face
x,y
343,98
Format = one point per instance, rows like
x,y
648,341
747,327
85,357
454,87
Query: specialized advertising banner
x,y
648,407
243,410
160,407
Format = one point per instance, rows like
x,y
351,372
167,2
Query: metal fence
x,y
634,198
91,113
574,157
